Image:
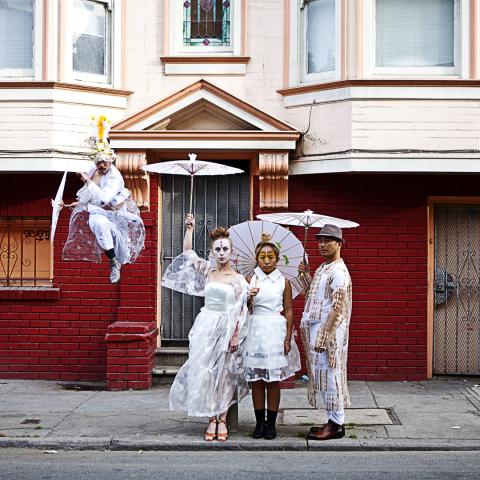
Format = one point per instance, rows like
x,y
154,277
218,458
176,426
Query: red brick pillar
x,y
130,355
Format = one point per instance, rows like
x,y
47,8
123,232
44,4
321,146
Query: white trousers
x,y
102,229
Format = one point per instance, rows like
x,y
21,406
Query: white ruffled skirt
x,y
206,383
264,357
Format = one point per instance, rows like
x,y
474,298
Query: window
x,y
25,255
206,22
412,37
16,38
320,34
204,28
91,40
415,34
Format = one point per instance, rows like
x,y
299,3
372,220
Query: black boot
x,y
260,426
270,432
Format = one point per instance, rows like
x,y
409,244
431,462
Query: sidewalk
x,y
438,414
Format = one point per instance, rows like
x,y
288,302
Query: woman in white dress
x,y
206,384
271,354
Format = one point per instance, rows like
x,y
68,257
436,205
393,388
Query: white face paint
x,y
221,250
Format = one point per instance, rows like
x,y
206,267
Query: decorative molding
x,y
136,180
190,90
203,59
379,83
273,180
248,135
65,86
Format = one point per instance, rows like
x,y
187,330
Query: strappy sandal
x,y
222,437
208,437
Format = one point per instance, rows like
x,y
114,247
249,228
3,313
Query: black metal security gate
x,y
456,335
218,201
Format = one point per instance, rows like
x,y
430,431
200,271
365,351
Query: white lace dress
x,y
264,357
206,383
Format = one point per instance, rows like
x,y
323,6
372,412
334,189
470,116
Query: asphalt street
x,y
24,464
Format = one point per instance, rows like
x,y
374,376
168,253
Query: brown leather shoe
x,y
330,431
317,428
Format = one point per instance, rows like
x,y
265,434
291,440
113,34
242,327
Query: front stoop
x,y
168,361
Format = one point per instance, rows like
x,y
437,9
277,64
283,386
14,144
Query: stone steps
x,y
168,361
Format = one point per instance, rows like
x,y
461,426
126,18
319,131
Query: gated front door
x,y
456,338
218,201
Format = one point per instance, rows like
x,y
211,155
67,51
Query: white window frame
x,y
461,56
113,53
176,33
34,73
298,58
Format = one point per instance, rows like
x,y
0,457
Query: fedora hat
x,y
331,231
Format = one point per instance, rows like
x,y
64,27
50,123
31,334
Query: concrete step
x,y
168,361
164,375
171,356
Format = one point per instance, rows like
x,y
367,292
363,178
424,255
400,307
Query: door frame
x,y
431,203
165,155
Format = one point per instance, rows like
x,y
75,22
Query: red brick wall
x,y
387,259
63,338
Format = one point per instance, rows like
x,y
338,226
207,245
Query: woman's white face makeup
x,y
222,250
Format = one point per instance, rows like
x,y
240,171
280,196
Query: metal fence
x,y
25,252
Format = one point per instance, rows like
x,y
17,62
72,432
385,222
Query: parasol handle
x,y
191,194
304,245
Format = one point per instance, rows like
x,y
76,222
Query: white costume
x,y
264,357
113,218
330,290
206,383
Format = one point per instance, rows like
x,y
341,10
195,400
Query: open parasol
x,y
306,219
191,167
245,237
75,166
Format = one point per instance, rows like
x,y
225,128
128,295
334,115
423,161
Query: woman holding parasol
x,y
206,383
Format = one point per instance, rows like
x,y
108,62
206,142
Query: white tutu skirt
x,y
264,357
206,383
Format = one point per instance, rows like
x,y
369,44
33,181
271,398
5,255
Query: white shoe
x,y
115,268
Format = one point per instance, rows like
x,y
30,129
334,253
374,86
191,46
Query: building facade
x,y
361,109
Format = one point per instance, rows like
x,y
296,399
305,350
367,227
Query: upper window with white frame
x,y
320,41
91,40
205,27
415,37
16,38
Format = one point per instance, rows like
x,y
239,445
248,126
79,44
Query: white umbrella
x,y
306,219
245,237
57,204
75,166
191,167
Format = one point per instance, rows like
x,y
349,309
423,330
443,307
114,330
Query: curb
x,y
189,444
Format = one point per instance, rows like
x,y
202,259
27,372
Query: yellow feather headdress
x,y
98,140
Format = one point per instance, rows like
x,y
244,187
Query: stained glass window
x,y
206,22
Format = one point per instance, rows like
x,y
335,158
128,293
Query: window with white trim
x,y
412,37
16,38
91,40
205,27
320,40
